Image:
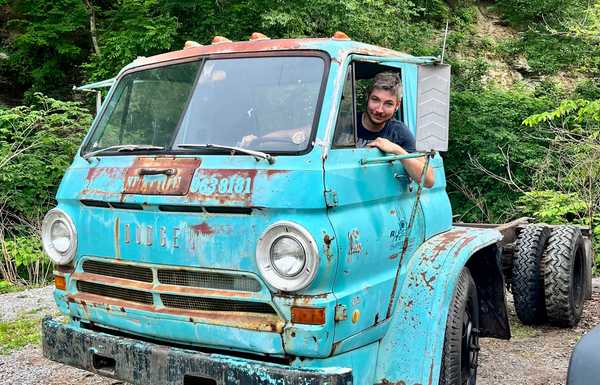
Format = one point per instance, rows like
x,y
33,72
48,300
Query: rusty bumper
x,y
146,363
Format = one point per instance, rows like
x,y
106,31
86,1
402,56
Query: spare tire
x,y
564,275
527,276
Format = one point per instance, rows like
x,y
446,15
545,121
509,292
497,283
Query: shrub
x,y
37,143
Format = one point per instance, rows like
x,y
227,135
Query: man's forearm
x,y
414,168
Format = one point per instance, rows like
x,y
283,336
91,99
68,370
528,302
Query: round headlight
x,y
287,256
59,237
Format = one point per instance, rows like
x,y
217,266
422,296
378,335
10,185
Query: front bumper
x,y
146,363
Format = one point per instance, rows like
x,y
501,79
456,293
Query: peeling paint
x,y
244,320
203,228
429,281
160,176
355,247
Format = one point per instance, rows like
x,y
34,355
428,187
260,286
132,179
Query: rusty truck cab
x,y
215,226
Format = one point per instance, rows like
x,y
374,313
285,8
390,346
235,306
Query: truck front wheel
x,y
461,342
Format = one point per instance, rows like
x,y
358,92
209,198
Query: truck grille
x,y
115,292
136,273
189,278
151,282
214,304
208,280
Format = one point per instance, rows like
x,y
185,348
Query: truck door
x,y
369,206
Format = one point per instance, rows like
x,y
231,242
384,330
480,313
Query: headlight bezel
x,y
57,257
271,274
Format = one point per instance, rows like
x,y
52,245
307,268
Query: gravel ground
x,y
40,301
534,356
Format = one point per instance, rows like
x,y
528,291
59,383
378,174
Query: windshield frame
x,y
202,59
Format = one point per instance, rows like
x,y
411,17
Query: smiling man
x,y
376,127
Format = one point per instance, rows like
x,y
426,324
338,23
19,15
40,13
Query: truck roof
x,y
337,48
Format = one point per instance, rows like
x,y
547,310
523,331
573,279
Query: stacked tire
x,y
550,275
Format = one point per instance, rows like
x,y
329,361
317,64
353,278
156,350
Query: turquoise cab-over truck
x,y
187,254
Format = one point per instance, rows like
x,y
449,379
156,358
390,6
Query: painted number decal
x,y
234,184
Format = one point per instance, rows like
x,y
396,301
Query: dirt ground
x,y
534,356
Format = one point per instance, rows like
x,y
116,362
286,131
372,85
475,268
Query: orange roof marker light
x,y
259,36
220,39
338,35
191,44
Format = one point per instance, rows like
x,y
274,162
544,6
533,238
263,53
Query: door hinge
x,y
331,198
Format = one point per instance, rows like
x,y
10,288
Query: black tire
x,y
564,275
461,342
527,276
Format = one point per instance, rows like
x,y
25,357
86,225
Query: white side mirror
x,y
433,107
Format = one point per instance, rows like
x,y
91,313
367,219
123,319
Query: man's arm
x,y
413,166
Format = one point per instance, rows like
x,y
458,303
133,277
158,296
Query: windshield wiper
x,y
208,146
123,147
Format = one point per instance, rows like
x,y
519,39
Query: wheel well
x,y
487,274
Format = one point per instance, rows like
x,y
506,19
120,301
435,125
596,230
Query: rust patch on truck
x,y
225,186
109,172
203,229
252,321
447,240
160,176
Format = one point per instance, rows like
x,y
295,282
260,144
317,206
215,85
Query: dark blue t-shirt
x,y
394,130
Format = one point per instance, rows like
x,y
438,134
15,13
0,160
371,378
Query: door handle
x,y
157,171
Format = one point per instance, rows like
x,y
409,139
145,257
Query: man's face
x,y
381,106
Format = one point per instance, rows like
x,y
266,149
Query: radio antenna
x,y
444,45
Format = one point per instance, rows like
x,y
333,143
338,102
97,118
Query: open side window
x,y
359,76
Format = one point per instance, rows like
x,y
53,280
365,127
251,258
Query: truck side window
x,y
345,133
359,78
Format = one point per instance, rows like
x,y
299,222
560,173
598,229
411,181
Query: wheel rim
x,y
470,347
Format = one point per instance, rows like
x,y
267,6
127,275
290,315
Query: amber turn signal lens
x,y
308,315
60,282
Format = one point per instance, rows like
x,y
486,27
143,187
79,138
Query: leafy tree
x,y
130,28
491,155
37,143
46,43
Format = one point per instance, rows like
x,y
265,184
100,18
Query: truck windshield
x,y
265,104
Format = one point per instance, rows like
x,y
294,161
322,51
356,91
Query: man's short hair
x,y
389,81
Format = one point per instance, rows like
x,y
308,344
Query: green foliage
x,y
37,143
8,287
578,110
25,250
47,42
370,21
553,207
574,179
19,333
132,28
556,35
469,74
487,139
23,261
524,12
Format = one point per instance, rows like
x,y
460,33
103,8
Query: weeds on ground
x,y
518,330
19,333
7,287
